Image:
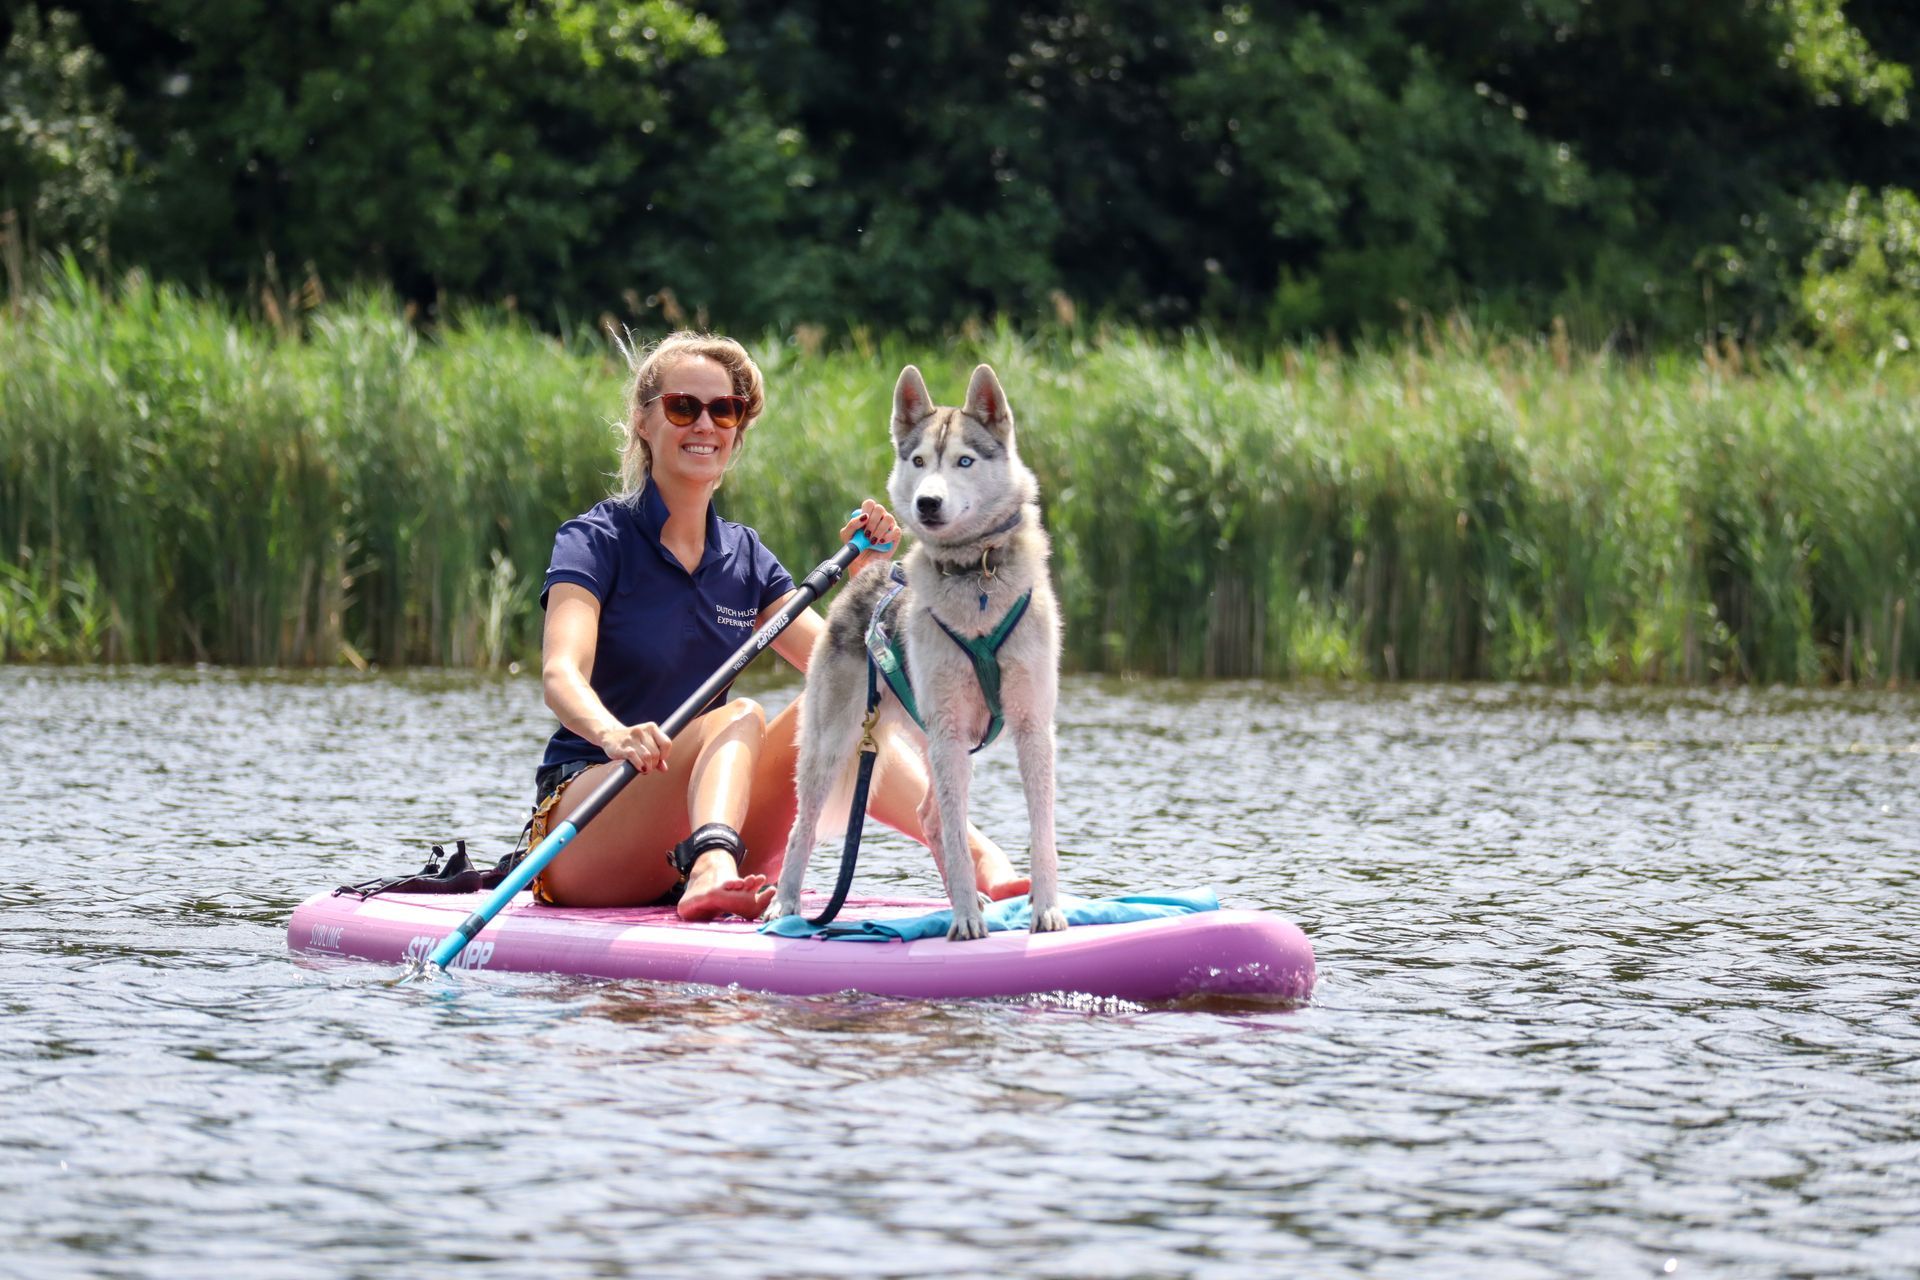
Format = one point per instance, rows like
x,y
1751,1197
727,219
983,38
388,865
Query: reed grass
x,y
179,482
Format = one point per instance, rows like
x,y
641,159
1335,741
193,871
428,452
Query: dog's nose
x,y
927,505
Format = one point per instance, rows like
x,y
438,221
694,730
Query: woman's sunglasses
x,y
683,410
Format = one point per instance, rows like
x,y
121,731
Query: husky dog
x,y
975,580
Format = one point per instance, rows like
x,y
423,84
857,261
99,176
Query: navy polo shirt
x,y
662,630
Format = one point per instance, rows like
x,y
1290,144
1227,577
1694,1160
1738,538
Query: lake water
x,y
1611,984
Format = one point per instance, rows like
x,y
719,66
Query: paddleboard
x,y
1219,953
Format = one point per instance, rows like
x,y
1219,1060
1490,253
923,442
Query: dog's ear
x,y
911,403
987,403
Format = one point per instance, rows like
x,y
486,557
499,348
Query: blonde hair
x,y
650,365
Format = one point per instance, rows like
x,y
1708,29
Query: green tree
x,y
61,142
1644,170
445,145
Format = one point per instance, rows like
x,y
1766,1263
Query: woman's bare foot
x,y
993,875
716,888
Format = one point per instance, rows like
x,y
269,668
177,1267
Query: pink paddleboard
x,y
1231,953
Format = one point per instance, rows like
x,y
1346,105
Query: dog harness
x,y
887,656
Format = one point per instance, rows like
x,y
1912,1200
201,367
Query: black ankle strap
x,y
715,835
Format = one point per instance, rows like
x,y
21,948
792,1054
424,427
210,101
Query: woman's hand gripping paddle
x,y
811,588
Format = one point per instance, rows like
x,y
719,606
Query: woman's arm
x,y
795,644
566,665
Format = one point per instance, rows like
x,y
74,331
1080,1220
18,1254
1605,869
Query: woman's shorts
x,y
550,782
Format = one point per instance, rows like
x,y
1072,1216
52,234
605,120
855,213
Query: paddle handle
x,y
861,540
811,588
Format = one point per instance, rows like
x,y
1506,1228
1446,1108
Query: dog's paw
x,y
966,926
1049,920
781,907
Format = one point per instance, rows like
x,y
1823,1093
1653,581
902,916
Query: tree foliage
x,y
60,143
1642,170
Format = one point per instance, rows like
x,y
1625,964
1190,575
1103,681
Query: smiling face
x,y
695,455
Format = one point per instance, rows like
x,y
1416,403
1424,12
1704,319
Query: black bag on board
x,y
444,873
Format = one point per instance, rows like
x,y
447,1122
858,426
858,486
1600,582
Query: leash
x,y
857,817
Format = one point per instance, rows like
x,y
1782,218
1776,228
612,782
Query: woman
x,y
647,594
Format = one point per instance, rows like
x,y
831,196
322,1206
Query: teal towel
x,y
1013,913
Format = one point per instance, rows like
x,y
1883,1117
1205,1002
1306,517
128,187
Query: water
x,y
1612,984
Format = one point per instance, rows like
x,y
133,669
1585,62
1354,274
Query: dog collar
x,y
988,563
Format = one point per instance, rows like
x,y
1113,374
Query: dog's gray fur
x,y
957,480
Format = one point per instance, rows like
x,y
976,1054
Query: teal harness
x,y
887,656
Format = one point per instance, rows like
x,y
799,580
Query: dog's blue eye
x,y
966,462
917,461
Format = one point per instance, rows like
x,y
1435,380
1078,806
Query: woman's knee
x,y
729,719
744,715
741,721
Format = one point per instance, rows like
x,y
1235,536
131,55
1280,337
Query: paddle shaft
x,y
811,588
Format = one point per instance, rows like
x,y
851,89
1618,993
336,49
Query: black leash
x,y
857,819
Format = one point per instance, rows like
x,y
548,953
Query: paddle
x,y
811,588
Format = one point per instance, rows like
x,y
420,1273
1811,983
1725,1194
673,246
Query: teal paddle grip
x,y
862,541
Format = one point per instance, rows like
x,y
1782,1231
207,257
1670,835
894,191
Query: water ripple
x,y
1608,979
